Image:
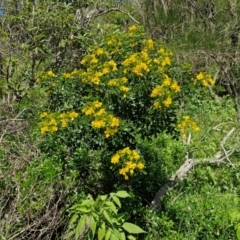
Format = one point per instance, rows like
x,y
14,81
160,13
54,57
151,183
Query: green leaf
x,y
73,219
116,200
101,233
132,228
93,227
111,206
123,237
238,232
117,233
114,237
122,194
108,234
83,209
103,197
80,227
105,214
130,237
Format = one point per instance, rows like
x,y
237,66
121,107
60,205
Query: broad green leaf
x,y
132,228
93,227
111,206
80,227
103,197
114,237
73,219
105,214
108,234
123,237
116,200
117,233
122,194
130,237
101,233
238,232
83,209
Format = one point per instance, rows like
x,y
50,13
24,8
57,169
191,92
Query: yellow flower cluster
x,y
95,71
44,75
205,79
131,160
148,44
187,125
137,63
163,92
119,83
51,121
101,118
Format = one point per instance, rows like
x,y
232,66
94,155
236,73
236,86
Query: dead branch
x,y
186,167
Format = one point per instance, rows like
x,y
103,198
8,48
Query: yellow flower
x,y
50,73
99,51
156,60
124,80
161,50
44,129
204,83
175,87
54,129
112,82
115,158
101,112
98,124
166,61
97,104
140,165
157,105
124,89
52,122
43,115
126,150
200,76
167,81
149,44
132,28
112,64
186,118
109,132
64,122
95,80
88,111
84,60
67,75
140,68
73,115
156,92
94,60
114,122
167,102
111,42
62,115
135,155
105,70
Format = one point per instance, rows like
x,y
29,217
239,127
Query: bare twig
x,y
187,166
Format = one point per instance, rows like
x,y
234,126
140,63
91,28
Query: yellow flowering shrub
x,y
204,78
129,160
187,125
128,85
51,122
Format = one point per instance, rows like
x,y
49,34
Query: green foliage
x,y
160,226
100,218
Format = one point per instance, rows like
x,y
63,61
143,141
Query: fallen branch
x,y
186,167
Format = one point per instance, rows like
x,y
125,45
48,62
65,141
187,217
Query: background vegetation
x,y
119,119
